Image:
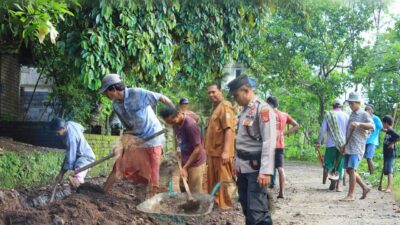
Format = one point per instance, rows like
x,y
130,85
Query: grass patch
x,y
28,168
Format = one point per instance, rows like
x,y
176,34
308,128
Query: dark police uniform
x,y
255,151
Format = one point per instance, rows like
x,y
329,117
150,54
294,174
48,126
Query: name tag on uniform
x,y
247,122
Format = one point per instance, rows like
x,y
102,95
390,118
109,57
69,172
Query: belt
x,y
248,155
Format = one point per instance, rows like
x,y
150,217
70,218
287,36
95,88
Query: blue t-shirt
x,y
374,137
136,114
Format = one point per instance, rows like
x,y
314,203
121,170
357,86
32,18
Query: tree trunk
x,y
321,108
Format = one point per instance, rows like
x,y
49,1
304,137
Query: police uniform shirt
x,y
260,118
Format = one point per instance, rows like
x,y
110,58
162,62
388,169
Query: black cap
x,y
273,101
57,124
184,101
237,83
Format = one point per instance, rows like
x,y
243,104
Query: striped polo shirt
x,y
356,142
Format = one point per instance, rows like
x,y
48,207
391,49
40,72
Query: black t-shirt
x,y
390,137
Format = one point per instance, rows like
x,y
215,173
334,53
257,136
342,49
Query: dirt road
x,y
310,202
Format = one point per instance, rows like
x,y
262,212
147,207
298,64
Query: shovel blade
x,y
333,176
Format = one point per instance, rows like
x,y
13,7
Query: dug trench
x,y
90,205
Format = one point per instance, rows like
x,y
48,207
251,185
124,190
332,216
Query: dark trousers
x,y
254,199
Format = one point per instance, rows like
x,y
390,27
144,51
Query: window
x,y
238,72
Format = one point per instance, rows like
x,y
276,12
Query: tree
x,y
310,46
167,46
30,20
380,75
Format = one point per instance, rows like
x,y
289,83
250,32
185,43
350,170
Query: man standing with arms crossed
x,y
219,144
255,151
360,122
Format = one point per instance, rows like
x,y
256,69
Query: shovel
x,y
53,193
191,204
321,160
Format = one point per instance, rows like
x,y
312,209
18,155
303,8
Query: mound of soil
x,y
90,205
10,145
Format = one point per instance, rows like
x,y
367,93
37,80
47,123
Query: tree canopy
x,y
306,52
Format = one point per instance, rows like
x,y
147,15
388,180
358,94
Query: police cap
x,y
237,83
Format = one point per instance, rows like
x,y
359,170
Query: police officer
x,y
255,149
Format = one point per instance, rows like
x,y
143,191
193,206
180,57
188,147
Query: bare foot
x,y
388,190
280,196
338,190
348,199
364,194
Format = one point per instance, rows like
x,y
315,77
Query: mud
x,y
176,205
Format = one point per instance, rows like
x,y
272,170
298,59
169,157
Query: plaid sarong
x,y
333,127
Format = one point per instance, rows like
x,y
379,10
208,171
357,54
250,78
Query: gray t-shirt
x,y
356,142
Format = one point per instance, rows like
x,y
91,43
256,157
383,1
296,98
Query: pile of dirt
x,y
90,205
10,145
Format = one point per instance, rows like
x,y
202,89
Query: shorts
x,y
279,156
388,165
351,161
369,151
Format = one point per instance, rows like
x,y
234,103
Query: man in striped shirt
x,y
360,123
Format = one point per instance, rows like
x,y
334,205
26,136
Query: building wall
x,y
9,87
39,109
231,71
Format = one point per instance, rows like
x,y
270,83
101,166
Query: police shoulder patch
x,y
264,113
